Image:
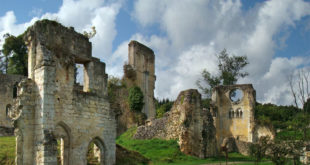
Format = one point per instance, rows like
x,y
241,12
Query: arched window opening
x,y
229,115
240,113
232,114
60,151
62,135
237,114
15,90
95,152
7,110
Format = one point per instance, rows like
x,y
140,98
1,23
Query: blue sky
x,y
185,36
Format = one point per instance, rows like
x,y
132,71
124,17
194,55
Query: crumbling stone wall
x,y
187,122
8,91
140,71
233,118
263,130
124,116
50,106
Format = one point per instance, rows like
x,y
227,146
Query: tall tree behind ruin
x,y
230,70
14,55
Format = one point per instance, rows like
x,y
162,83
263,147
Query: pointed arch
x,y
101,146
63,134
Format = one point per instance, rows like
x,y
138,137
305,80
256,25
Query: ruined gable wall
x,y
240,128
53,106
7,83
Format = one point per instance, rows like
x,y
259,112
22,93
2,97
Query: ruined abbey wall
x,y
141,60
8,84
50,106
233,118
188,123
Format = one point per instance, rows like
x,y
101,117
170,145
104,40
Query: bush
x,y
135,99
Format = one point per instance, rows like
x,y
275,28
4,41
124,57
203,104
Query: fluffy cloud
x,y
191,33
81,15
196,30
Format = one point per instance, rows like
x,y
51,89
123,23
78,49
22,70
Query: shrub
x,y
135,99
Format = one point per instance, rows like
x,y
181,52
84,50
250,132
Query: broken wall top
x,y
54,36
147,52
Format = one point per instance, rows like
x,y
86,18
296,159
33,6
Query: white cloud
x,y
191,27
191,33
82,15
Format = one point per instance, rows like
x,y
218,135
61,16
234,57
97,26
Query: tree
x,y
300,86
230,70
135,99
258,149
14,55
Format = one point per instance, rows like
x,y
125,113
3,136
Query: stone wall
x,y
186,122
233,118
51,107
263,130
8,84
140,72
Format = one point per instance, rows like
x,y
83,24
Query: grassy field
x,y
7,150
162,152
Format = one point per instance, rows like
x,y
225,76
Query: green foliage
x,y
135,99
162,107
206,103
258,150
15,55
306,107
114,84
277,116
230,70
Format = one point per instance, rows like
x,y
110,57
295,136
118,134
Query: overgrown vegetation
x,y
161,152
135,99
13,59
162,106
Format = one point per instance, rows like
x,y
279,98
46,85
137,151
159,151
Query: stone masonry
x,y
51,108
186,122
8,91
233,119
140,71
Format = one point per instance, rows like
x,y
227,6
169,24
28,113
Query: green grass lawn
x,y
7,150
166,152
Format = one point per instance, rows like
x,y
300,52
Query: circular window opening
x,y
236,95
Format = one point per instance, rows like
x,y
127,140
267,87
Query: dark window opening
x,y
15,91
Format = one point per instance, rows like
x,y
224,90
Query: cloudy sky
x,y
185,36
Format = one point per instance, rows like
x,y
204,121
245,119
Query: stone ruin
x,y
232,108
51,108
140,71
186,122
8,90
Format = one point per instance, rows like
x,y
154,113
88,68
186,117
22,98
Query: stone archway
x,y
98,150
62,135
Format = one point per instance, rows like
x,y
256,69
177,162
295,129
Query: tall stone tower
x,y
141,60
